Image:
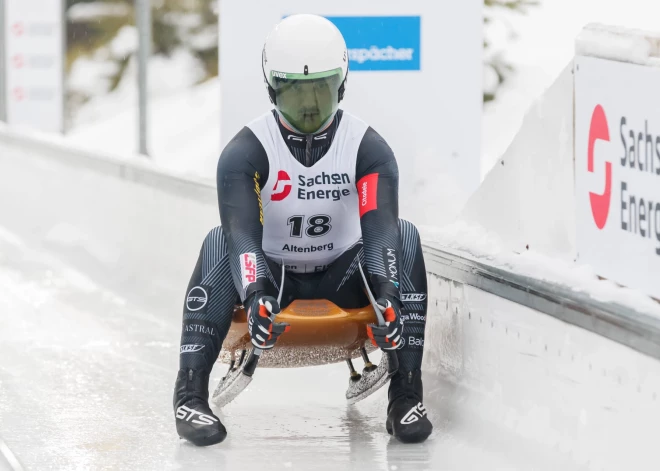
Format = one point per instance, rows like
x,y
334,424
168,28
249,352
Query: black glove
x,y
388,336
263,331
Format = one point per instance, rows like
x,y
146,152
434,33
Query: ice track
x,y
86,383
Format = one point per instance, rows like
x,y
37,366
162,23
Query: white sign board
x,y
34,64
415,75
617,171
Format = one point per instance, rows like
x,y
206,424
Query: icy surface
x,y
86,382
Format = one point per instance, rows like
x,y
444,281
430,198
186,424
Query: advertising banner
x,y
617,171
34,61
415,76
381,43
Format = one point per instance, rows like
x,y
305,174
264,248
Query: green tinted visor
x,y
307,102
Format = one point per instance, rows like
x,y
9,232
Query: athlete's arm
x,y
378,194
242,172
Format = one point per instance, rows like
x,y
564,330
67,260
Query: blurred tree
x,y
494,62
191,24
103,32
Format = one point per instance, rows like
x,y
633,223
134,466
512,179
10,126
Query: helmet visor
x,y
307,102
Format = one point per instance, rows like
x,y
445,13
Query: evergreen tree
x,y
493,59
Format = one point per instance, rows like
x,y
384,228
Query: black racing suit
x,y
217,275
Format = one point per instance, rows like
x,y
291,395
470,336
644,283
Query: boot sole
x,y
416,436
200,439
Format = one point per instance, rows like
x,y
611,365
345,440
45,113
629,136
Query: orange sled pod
x,y
320,333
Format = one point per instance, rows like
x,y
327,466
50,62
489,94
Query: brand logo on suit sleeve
x,y
248,268
197,298
368,193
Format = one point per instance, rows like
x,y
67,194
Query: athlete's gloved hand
x,y
389,336
263,331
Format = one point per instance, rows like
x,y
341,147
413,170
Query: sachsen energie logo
x,y
600,203
381,42
639,160
282,186
321,186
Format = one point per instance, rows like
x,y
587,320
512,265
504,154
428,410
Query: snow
x,y
473,241
126,41
91,76
527,199
184,118
95,10
544,43
206,38
618,43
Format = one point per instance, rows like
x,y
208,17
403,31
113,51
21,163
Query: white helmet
x,y
305,64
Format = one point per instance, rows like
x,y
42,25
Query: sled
x,y
321,333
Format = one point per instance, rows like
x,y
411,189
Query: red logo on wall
x,y
17,29
18,61
368,193
19,93
600,203
284,184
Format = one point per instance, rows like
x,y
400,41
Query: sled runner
x,y
320,333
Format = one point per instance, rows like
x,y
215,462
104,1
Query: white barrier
x,y
568,189
548,394
617,155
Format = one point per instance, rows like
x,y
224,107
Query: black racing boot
x,y
194,419
406,415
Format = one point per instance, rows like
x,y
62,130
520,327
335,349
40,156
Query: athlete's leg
x,y
207,316
414,297
343,285
406,414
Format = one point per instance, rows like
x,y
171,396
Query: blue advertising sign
x,y
381,42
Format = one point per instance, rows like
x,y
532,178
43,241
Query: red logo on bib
x,y
284,182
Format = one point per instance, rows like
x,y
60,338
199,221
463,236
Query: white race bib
x,y
311,215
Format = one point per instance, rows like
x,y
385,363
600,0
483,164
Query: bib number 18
x,y
317,226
